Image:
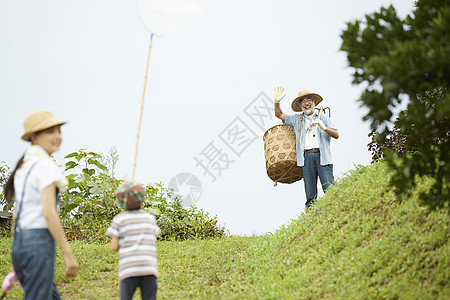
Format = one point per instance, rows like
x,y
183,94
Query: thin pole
x,y
142,107
320,114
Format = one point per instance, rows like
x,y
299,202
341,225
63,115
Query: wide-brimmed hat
x,y
296,103
130,194
37,121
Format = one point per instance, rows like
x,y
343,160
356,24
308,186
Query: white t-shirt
x,y
43,174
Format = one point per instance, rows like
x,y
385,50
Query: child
x,y
133,233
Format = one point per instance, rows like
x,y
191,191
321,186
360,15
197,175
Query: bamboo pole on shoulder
x,y
320,114
142,108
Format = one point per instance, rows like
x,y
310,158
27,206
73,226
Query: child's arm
x,y
114,244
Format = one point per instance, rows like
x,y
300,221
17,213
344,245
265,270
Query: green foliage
x,y
359,241
91,190
408,61
5,224
178,222
89,204
4,175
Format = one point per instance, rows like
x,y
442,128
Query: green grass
x,y
359,241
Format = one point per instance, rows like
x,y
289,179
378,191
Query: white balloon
x,y
161,17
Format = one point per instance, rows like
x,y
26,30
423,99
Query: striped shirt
x,y
137,231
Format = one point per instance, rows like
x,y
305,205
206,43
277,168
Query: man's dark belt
x,y
313,150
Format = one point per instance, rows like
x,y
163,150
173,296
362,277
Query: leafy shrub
x,y
5,222
177,222
4,175
89,204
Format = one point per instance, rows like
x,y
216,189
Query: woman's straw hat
x,y
296,103
37,121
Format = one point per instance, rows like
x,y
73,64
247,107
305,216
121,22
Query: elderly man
x,y
313,152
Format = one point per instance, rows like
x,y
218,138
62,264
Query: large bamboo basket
x,y
281,154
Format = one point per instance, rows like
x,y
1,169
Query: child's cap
x,y
130,194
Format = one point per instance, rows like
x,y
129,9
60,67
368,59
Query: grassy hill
x,y
358,241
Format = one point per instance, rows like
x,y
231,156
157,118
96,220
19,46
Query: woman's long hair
x,y
8,188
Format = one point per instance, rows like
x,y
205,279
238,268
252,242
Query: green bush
x,y
178,222
4,175
88,205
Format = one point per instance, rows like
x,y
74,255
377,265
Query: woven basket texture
x,y
281,154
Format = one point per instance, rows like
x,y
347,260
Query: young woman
x,y
34,185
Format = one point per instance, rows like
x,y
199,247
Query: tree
x,y
407,61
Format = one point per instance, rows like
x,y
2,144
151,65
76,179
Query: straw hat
x,y
130,194
37,121
296,103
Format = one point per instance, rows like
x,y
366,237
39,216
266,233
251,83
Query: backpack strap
x,y
16,221
300,121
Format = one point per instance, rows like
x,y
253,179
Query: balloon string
x,y
142,107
